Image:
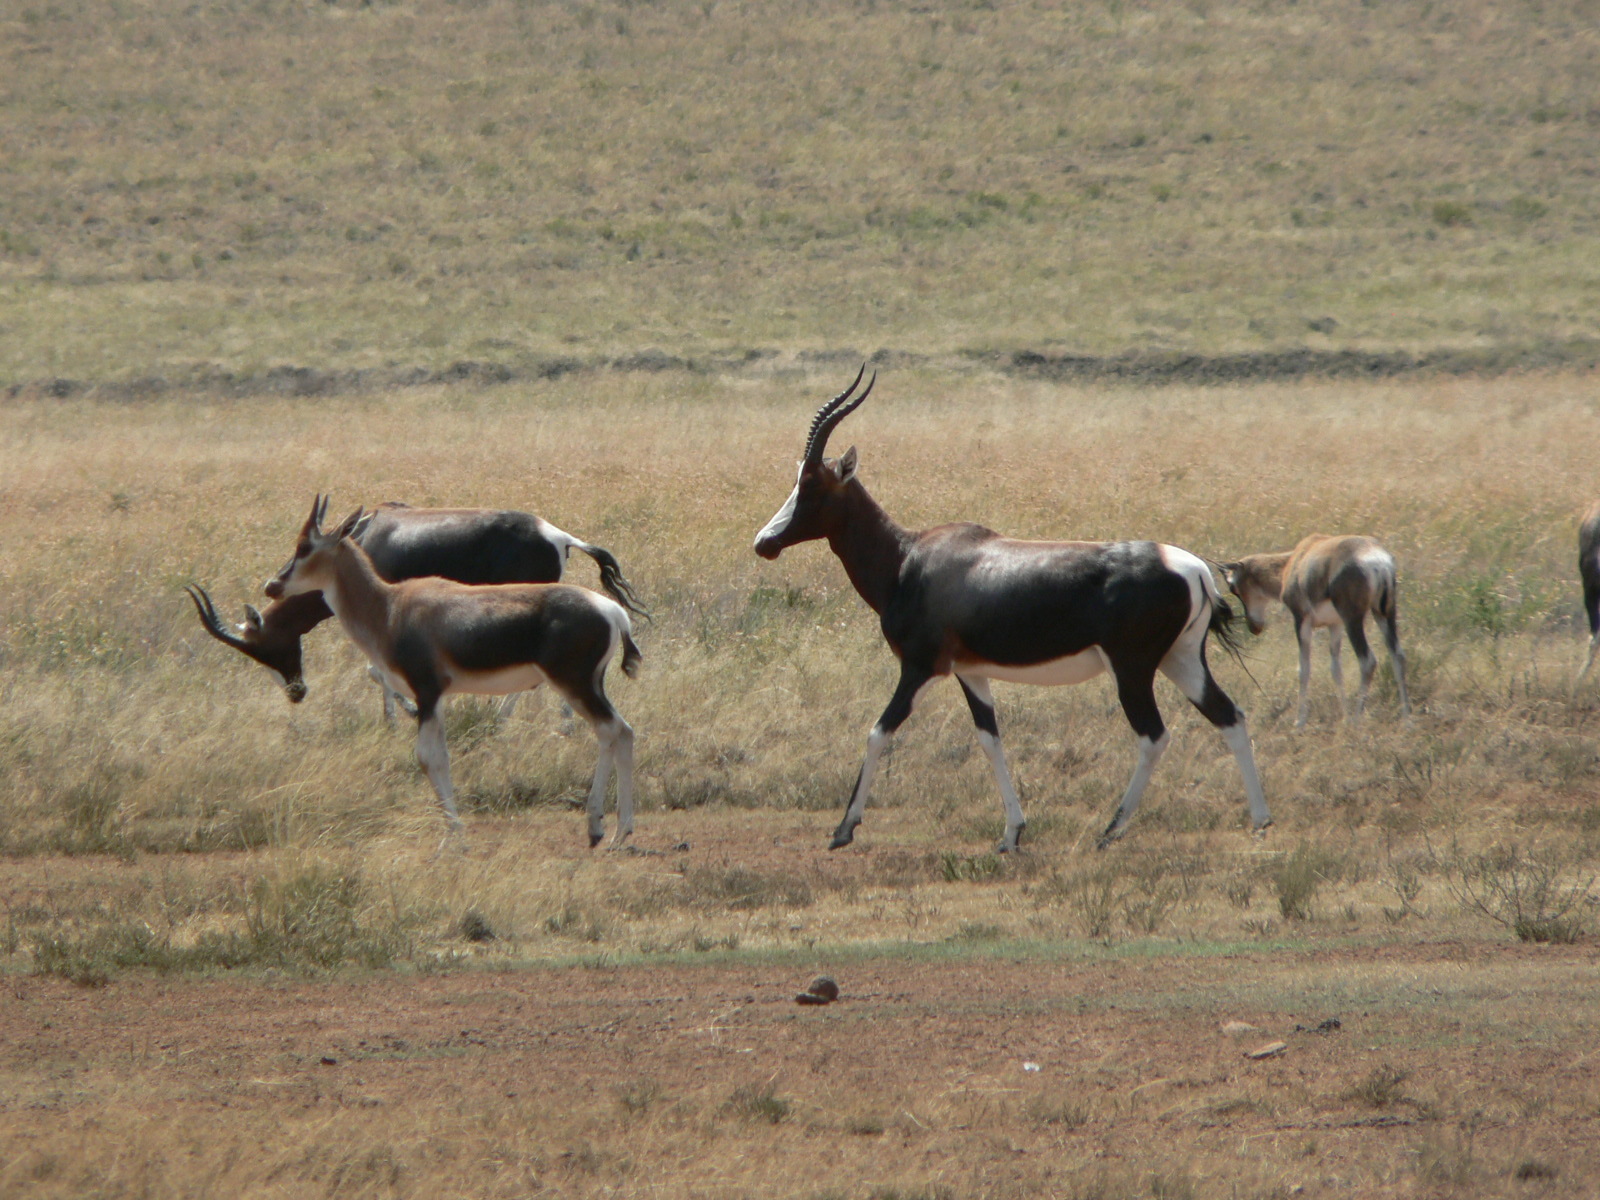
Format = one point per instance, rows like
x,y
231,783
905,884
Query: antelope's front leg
x,y
912,681
981,701
434,755
1303,632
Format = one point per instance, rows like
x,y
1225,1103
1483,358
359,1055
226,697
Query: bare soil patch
x,y
1454,1066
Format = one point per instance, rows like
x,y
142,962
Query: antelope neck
x,y
871,546
358,595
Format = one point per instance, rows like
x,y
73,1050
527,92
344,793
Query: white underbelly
x,y
1074,668
522,678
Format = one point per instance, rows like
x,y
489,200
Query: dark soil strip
x,y
1147,368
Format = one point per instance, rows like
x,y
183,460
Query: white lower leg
x,y
602,776
1238,738
876,740
1397,659
1369,668
1008,793
1336,667
1150,753
1594,648
624,757
1304,634
388,694
434,755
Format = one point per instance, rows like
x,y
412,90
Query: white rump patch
x,y
1194,571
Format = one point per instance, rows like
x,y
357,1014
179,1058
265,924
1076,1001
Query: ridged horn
x,y
831,413
211,620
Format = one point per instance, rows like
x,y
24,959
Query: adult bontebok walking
x,y
1328,583
962,600
432,638
469,545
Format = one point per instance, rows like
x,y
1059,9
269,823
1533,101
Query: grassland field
x,y
1213,274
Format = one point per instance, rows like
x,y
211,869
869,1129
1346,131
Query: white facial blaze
x,y
780,520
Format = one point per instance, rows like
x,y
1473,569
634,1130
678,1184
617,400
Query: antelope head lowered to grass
x,y
469,545
1589,572
271,638
962,600
1332,583
431,638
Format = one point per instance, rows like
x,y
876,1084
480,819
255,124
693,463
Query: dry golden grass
x,y
130,732
264,182
168,814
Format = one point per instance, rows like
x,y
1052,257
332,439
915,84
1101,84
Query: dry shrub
x,y
1534,892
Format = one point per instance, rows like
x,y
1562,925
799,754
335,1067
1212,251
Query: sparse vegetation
x,y
1540,895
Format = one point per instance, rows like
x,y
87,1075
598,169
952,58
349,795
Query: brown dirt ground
x,y
649,1080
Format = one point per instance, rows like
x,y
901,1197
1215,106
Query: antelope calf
x,y
962,600
1589,572
469,545
431,638
1332,583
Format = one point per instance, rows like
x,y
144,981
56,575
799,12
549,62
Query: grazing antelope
x,y
1589,572
962,600
1327,582
469,545
431,638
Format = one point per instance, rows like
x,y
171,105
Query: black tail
x,y
611,578
1224,626
631,658
1384,601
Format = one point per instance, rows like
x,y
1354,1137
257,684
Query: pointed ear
x,y
360,531
313,524
847,465
252,619
348,524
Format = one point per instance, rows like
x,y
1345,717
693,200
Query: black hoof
x,y
595,839
842,838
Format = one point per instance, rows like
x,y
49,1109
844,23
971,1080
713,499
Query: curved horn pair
x,y
213,622
831,413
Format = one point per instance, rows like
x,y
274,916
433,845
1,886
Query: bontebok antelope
x,y
1333,583
1589,572
469,545
431,638
962,600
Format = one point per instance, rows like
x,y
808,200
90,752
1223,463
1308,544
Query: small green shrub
x,y
1383,1086
758,1102
1297,878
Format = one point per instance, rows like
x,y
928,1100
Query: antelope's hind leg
x,y
615,738
1136,691
981,701
1355,628
1194,679
1390,625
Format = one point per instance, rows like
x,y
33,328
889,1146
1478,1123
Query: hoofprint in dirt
x,y
948,1072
